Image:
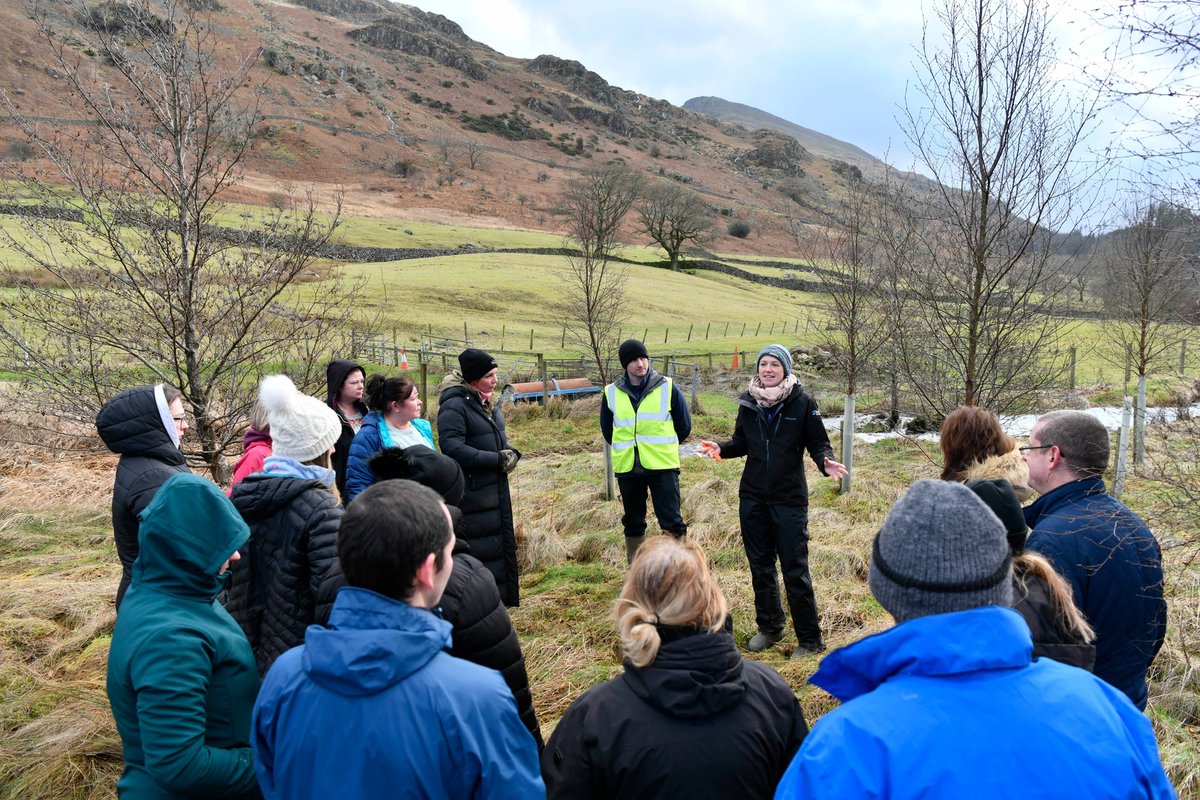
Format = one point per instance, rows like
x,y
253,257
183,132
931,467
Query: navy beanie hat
x,y
780,352
631,350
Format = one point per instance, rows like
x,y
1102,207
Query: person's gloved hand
x,y
508,460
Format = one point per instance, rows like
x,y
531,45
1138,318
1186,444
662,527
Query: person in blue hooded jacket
x,y
372,705
950,703
181,675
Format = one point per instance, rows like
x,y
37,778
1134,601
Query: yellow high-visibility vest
x,y
649,429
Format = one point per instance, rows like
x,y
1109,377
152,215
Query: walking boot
x,y
632,543
762,640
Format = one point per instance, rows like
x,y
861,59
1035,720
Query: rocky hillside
x,y
409,117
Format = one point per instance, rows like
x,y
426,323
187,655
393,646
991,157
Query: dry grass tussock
x,y
58,572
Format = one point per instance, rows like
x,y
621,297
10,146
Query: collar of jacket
x,y
372,642
649,383
696,674
940,645
1061,496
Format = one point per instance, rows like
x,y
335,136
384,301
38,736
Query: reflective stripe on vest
x,y
649,429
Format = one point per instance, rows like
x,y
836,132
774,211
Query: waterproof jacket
x,y
482,630
373,707
336,373
256,446
953,706
1114,566
474,436
774,447
699,721
132,426
370,439
293,542
681,418
181,677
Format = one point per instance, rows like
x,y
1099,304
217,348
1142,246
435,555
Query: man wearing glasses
x,y
1098,544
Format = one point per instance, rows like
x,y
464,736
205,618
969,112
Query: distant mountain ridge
x,y
814,141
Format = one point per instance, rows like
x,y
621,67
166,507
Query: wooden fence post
x,y
545,382
424,367
690,326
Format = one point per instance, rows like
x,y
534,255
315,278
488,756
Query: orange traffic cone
x,y
403,359
734,365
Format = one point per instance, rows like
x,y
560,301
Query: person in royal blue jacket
x,y
372,705
1104,550
950,703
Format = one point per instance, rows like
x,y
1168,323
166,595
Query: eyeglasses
x,y
1029,447
180,419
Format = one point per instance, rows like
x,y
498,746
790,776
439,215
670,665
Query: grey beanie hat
x,y
777,351
941,549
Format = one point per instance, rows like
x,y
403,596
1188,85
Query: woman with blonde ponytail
x,y
689,717
1041,595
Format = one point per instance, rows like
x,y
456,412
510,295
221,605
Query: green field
x,y
58,572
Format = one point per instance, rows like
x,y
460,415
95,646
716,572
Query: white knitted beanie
x,y
302,427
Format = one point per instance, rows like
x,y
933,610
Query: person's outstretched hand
x,y
711,450
835,470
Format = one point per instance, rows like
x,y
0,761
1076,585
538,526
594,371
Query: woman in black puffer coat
x,y
483,632
293,511
144,425
689,718
471,431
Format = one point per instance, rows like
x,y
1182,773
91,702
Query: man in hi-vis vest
x,y
644,416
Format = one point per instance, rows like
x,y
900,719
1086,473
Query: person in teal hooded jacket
x,y
950,703
181,675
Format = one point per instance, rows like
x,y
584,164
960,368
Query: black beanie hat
x,y
423,465
1001,498
631,350
474,364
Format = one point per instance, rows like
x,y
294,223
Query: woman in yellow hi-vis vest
x,y
776,422
644,416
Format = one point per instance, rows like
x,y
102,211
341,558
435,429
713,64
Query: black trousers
x,y
774,532
663,488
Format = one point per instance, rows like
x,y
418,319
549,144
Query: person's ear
x,y
425,573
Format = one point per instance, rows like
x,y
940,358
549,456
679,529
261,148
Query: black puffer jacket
x,y
473,437
130,424
483,632
775,447
336,373
293,543
698,722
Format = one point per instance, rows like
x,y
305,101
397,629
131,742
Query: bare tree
x,y
673,216
852,252
1148,278
1157,52
997,133
474,152
596,203
133,280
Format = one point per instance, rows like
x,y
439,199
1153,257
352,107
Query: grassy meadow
x,y
58,566
59,572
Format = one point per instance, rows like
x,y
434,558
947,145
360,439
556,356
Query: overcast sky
x,y
840,67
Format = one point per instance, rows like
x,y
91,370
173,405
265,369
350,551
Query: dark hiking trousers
x,y
773,532
663,487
